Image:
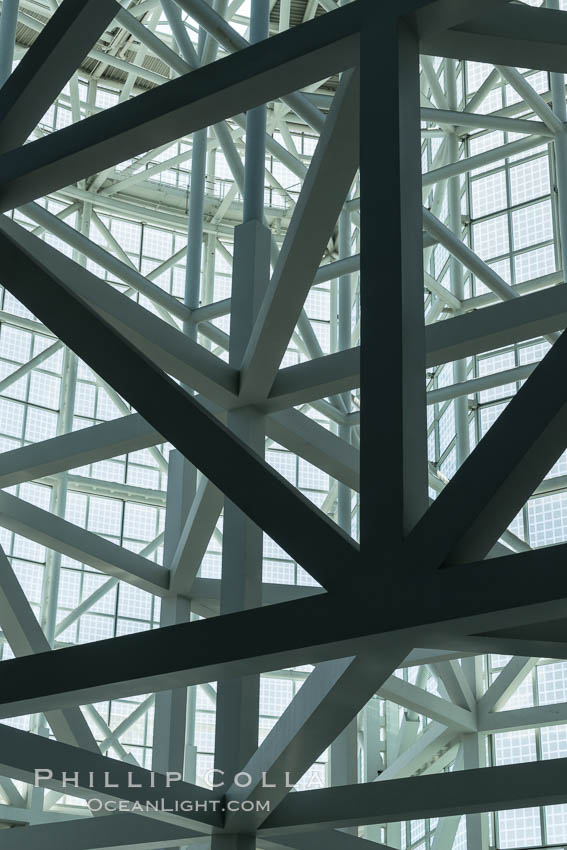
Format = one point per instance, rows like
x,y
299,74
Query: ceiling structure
x,y
241,536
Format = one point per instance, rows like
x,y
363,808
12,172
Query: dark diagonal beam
x,y
282,511
433,18
513,457
516,35
56,53
92,775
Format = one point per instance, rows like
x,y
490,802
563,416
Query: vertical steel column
x,y
393,474
174,725
457,285
236,735
58,504
474,756
195,230
50,589
396,734
170,723
255,162
8,24
373,759
344,762
560,145
344,342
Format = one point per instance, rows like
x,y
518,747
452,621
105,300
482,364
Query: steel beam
x,y
311,722
440,609
515,35
437,795
62,536
502,472
392,320
324,191
88,775
78,448
115,832
52,59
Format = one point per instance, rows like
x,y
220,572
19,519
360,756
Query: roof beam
x,y
434,17
455,683
199,526
507,682
524,718
493,327
315,379
327,839
170,349
419,700
315,444
122,831
423,750
528,317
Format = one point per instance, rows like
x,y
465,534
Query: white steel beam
x,y
78,448
62,536
195,536
430,705
330,175
311,722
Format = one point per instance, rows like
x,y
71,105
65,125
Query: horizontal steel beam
x,y
439,610
439,795
520,319
122,831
